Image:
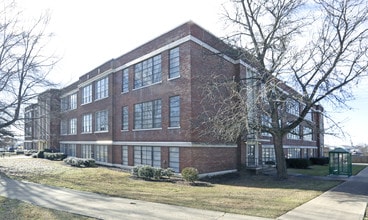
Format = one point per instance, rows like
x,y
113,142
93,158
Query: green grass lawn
x,y
253,195
317,170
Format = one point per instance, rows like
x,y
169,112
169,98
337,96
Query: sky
x,y
87,33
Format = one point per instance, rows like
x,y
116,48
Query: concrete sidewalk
x,y
347,201
104,207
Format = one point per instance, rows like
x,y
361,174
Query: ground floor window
x,y
293,153
68,149
100,153
87,151
268,155
174,158
146,155
124,155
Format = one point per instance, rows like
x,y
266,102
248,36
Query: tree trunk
x,y
280,157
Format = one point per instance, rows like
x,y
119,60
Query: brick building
x,y
140,108
42,122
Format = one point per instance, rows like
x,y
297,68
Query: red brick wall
x,y
208,159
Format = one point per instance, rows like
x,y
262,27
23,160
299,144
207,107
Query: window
x,y
28,131
100,153
87,123
147,72
147,115
268,155
292,107
124,118
124,155
64,127
73,101
174,158
68,149
174,63
73,126
87,94
294,134
266,122
147,156
125,81
309,116
293,153
307,134
102,122
174,111
68,102
102,88
87,151
64,104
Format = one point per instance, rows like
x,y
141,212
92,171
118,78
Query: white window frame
x,y
102,88
87,123
102,121
87,94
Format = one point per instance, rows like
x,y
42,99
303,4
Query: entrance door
x,y
252,155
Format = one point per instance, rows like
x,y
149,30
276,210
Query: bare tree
x,y
305,53
23,64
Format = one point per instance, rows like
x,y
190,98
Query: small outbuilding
x,y
340,162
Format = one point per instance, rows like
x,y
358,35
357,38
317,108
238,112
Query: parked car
x,y
11,149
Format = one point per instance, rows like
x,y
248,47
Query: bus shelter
x,y
340,162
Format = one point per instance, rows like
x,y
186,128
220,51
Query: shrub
x,y
319,160
157,173
80,162
298,163
169,172
135,169
54,156
146,172
190,174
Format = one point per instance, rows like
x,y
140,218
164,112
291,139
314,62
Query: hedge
x,y
298,163
80,162
54,156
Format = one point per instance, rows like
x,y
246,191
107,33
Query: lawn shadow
x,y
269,180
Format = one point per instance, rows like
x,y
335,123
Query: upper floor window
x,y
73,101
64,104
147,115
147,72
294,134
68,102
309,116
174,63
125,81
307,134
292,107
87,123
63,127
102,121
73,126
124,118
174,118
87,94
102,88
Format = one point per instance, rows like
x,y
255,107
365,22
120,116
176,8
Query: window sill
x,y
148,129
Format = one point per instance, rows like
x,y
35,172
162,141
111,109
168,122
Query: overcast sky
x,y
91,32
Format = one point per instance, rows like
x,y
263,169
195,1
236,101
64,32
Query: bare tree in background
x,y
318,48
23,64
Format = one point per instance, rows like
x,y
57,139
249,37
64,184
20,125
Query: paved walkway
x,y
347,201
